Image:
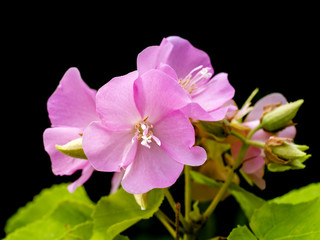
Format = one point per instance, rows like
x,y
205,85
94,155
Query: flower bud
x,y
216,130
73,149
281,116
142,200
282,155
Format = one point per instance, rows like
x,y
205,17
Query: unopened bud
x,y
73,149
216,130
142,200
281,154
281,116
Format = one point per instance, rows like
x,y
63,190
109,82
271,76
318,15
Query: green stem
x,y
247,141
259,144
252,95
250,134
163,219
172,203
170,199
226,184
187,192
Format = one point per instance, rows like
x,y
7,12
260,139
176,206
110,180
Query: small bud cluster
x,y
282,154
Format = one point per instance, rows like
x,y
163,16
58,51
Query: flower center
x,y
144,133
194,84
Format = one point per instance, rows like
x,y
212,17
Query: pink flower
x,y
142,131
71,108
253,164
192,70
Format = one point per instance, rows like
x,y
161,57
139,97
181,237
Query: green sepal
x,y
280,117
73,149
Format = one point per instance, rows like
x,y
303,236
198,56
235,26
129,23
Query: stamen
x,y
143,131
194,84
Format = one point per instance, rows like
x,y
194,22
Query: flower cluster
x,y
170,112
137,125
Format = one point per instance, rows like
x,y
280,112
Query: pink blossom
x,y
191,69
253,164
142,131
71,108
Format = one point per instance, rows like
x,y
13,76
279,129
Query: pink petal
x,y
152,168
261,135
289,132
257,111
85,175
252,124
156,94
115,102
257,178
61,163
216,92
195,111
116,181
73,102
220,113
107,150
168,70
184,57
177,137
152,57
253,160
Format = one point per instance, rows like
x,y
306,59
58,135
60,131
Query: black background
x,y
274,50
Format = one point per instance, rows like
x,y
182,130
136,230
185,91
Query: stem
x,y
247,141
252,95
163,219
250,134
187,192
173,205
170,199
178,207
259,144
226,184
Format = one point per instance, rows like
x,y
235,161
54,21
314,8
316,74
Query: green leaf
x,y
117,212
294,216
303,194
43,204
241,233
64,219
121,237
248,201
200,178
82,231
286,221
